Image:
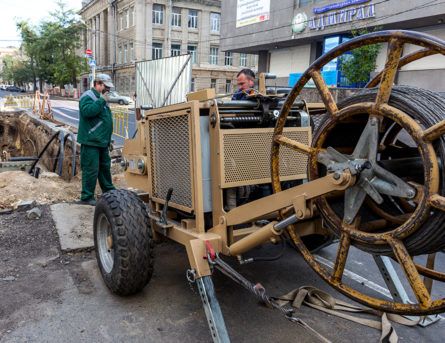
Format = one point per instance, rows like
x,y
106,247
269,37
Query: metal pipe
x,y
22,158
253,240
261,236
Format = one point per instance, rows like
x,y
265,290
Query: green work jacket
x,y
96,121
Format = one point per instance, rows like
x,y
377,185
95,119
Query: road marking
x,y
360,279
64,115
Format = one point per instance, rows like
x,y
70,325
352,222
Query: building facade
x,y
122,32
288,35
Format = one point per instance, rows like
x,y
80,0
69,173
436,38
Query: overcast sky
x,y
32,10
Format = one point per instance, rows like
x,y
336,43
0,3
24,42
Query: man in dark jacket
x,y
245,81
94,135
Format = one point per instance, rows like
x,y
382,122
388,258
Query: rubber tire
x,y
132,240
121,102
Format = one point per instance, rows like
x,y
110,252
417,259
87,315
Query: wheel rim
x,y
378,109
105,243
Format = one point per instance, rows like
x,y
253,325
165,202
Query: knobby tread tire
x,y
132,241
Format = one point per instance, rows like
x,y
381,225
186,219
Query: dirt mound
x,y
48,188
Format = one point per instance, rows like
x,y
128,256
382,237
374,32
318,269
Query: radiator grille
x,y
170,159
247,157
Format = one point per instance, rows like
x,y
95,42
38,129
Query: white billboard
x,y
252,11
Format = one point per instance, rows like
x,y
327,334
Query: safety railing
x,y
18,101
121,119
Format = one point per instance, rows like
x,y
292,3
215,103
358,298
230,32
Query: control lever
x,y
163,219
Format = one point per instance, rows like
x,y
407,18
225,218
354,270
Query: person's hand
x,y
106,95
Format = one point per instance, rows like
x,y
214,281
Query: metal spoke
x,y
354,198
290,143
434,132
390,184
403,62
395,49
368,143
325,93
342,256
430,265
437,201
411,273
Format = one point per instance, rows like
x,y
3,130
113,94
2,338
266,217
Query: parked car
x,y
13,89
119,99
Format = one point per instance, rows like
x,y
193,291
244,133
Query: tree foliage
x,y
359,63
52,47
16,71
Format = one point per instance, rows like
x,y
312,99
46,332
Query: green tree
x,y
33,50
16,71
52,47
358,65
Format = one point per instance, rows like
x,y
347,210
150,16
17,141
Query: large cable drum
x,y
389,139
396,152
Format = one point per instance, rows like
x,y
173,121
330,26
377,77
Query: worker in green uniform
x,y
94,135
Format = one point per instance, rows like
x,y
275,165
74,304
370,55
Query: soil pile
x,y
48,188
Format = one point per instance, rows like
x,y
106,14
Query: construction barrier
x,y
120,121
18,101
42,106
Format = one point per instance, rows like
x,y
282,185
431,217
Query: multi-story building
x,y
121,32
288,35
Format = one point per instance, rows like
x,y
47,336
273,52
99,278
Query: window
x,y
176,17
193,19
156,51
121,21
215,22
127,18
132,52
228,86
176,50
213,83
131,16
120,54
158,14
192,86
228,58
243,60
213,55
192,50
125,53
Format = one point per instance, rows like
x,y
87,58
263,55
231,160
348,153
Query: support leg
x,y
212,310
396,288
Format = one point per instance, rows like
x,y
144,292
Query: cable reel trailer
x,y
222,177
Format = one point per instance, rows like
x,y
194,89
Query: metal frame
x,y
398,292
300,199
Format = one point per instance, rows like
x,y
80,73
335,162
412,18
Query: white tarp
x,y
252,11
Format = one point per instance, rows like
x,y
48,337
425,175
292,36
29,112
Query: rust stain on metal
x,y
325,93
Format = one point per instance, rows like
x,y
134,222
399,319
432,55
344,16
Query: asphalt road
x,y
67,112
60,297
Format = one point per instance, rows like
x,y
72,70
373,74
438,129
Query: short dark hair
x,y
247,72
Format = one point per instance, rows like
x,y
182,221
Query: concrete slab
x,y
74,224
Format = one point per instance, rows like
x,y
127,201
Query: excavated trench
x,y
23,135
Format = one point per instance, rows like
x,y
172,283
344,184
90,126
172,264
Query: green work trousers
x,y
95,163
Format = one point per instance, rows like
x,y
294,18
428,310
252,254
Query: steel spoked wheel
x,y
105,243
385,212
